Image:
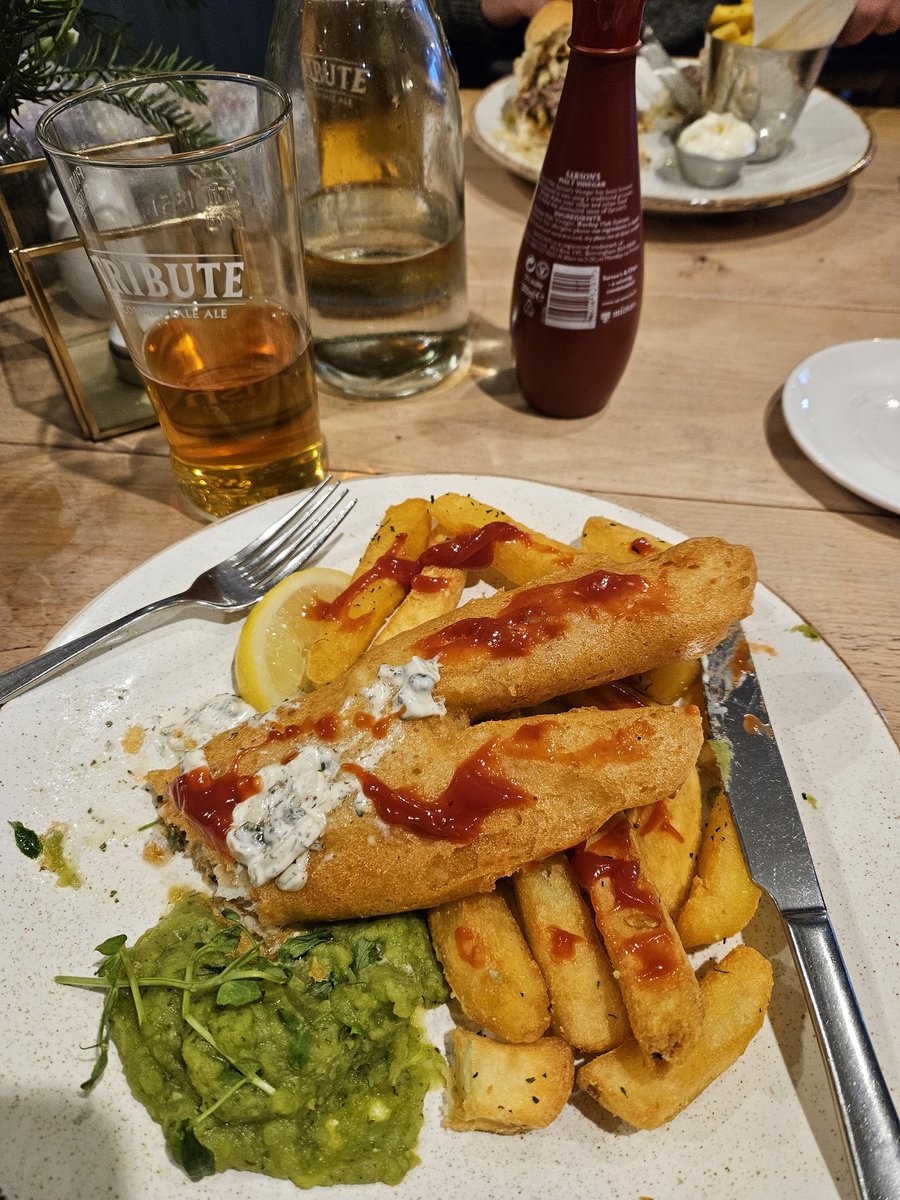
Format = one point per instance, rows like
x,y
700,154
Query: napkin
x,y
799,24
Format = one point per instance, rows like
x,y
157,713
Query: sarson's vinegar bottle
x,y
579,276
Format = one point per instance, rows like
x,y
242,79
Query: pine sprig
x,y
50,49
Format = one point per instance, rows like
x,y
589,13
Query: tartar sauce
x,y
273,832
719,136
407,689
214,716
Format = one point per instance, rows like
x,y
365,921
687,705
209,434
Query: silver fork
x,y
231,586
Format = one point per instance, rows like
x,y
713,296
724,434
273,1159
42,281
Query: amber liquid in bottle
x,y
579,276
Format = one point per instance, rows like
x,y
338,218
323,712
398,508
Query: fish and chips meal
x,y
508,802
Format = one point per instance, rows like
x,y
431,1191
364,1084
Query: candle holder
x,y
104,403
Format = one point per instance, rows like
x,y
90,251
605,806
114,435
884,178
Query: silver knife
x,y
778,858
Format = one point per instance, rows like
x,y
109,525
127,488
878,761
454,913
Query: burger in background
x,y
539,73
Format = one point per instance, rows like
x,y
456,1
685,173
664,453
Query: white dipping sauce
x,y
719,136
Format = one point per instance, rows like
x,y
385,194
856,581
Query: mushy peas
x,y
335,1033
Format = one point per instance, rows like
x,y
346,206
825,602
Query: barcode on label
x,y
572,297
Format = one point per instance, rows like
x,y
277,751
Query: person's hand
x,y
870,16
504,13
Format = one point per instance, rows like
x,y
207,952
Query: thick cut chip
x,y
353,618
619,542
489,967
507,1089
668,836
522,559
646,1092
434,592
660,990
723,897
586,1002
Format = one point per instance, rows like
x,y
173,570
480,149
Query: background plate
x,y
842,406
765,1129
831,143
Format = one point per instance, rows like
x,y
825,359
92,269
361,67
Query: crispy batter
x,y
707,584
693,593
696,591
366,868
723,897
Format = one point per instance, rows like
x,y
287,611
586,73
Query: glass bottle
x,y
579,276
377,118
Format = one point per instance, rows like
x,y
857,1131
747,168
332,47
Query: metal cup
x,y
766,88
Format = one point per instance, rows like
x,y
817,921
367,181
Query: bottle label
x,y
178,283
582,233
336,77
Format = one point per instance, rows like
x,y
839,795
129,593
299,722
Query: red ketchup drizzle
x,y
741,664
379,727
753,724
539,615
660,819
390,565
475,548
326,728
652,948
477,789
430,583
469,946
208,802
640,545
468,550
562,943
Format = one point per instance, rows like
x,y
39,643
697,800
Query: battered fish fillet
x,y
592,623
674,605
573,770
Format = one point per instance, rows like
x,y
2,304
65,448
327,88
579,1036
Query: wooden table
x,y
694,435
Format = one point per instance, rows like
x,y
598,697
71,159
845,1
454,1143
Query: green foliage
x,y
50,49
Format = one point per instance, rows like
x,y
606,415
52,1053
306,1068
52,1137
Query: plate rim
x,y
811,448
264,1184
705,204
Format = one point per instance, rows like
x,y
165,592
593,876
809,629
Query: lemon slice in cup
x,y
270,660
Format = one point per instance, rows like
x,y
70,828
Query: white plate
x,y
842,406
765,1129
830,143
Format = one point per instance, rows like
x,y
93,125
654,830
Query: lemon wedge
x,y
270,660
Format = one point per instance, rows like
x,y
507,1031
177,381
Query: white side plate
x,y
842,407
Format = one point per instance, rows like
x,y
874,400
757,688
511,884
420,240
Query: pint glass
x,y
183,189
